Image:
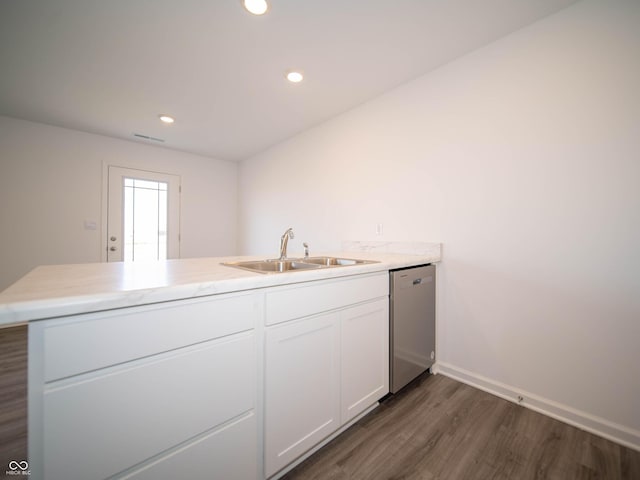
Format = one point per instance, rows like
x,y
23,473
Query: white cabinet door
x,y
302,387
365,356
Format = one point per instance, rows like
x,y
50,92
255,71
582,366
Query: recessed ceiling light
x,y
294,77
166,118
257,7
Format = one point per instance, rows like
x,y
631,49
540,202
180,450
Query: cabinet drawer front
x,y
90,342
288,303
229,453
101,425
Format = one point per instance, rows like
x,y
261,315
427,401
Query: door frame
x,y
104,227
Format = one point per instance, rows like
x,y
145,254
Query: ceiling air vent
x,y
147,137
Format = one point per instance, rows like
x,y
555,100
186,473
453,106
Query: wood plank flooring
x,y
13,395
438,428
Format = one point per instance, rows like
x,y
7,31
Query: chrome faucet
x,y
283,243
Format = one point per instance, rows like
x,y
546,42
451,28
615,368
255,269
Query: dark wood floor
x,y
13,395
438,428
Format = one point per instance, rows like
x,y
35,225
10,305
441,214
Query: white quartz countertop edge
x,y
62,290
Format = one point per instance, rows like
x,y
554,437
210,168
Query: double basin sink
x,y
295,264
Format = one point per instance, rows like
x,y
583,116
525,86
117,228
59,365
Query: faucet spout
x,y
284,240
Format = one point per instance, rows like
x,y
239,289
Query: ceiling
x,y
111,67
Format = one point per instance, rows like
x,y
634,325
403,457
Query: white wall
x,y
523,159
51,182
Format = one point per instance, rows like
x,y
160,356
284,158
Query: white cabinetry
x,y
322,369
233,386
302,394
139,392
364,357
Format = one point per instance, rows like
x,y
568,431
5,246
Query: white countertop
x,y
60,290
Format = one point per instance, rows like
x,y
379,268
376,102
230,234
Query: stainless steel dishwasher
x,y
412,333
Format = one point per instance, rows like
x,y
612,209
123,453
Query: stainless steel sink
x,y
273,266
335,261
293,265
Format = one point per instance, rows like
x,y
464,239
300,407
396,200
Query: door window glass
x,y
145,220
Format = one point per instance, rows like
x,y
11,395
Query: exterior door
x,y
143,215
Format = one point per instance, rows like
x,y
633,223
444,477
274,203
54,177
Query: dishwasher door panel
x,y
412,323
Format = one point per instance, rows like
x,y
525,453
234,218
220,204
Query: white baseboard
x,y
599,426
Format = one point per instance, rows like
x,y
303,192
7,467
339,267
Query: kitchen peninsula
x,y
136,370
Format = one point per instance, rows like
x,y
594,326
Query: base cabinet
x,y
323,370
233,386
184,400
